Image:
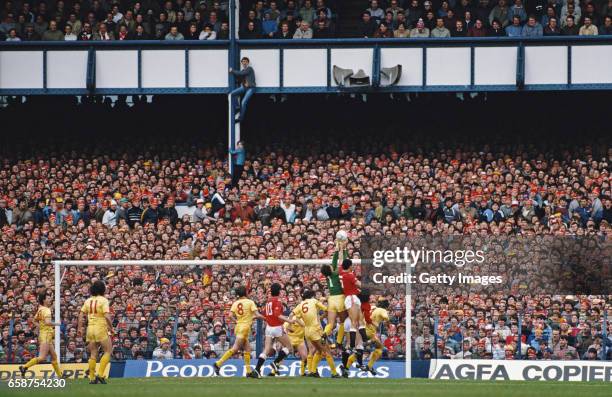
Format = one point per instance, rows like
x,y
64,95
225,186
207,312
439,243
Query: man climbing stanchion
x,y
238,158
246,75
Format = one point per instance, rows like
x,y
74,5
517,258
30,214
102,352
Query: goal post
x,y
408,319
58,264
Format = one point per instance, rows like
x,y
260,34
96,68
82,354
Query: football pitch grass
x,y
294,387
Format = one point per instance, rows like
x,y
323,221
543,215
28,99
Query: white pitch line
x,y
207,381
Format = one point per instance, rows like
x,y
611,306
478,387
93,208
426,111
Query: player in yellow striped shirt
x,y
99,328
244,311
46,334
308,312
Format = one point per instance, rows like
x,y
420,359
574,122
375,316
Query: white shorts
x,y
274,332
351,300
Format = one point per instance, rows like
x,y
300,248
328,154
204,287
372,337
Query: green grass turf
x,y
294,387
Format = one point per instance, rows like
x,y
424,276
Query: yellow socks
x,y
309,362
340,335
92,368
351,360
247,362
225,357
56,368
315,362
32,362
328,329
54,364
331,363
374,356
103,363
302,367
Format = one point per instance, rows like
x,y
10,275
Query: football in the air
x,y
341,235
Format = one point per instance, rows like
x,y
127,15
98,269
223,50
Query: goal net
x,y
186,305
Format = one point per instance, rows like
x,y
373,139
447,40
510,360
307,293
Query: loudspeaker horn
x,y
340,75
392,74
359,79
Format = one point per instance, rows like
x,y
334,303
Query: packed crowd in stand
x,y
104,20
65,20
161,20
106,194
291,19
482,18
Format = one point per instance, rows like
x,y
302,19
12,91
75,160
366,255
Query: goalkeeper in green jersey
x,y
335,302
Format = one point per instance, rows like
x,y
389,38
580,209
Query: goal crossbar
x,y
57,265
203,262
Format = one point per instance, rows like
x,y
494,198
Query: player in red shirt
x,y
349,356
366,317
274,331
350,288
366,307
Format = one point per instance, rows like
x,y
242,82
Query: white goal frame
x,y
57,268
